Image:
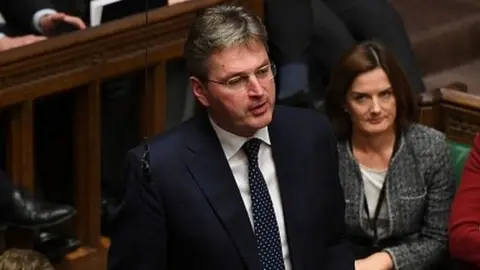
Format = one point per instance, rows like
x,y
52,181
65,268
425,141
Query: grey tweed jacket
x,y
419,191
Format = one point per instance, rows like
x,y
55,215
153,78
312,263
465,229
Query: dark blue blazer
x,y
190,214
18,15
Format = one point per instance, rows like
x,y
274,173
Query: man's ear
x,y
199,91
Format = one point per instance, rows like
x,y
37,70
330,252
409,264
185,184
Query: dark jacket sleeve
x,y
339,253
465,216
18,14
139,235
288,24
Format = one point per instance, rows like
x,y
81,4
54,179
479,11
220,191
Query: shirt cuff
x,y
38,15
2,35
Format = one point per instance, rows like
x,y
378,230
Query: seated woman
x,y
396,174
465,216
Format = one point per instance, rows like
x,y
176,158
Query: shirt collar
x,y
231,143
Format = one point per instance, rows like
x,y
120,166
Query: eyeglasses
x,y
241,82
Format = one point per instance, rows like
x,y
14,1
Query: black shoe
x,y
54,246
300,99
27,213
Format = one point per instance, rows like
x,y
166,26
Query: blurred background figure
x,y
308,44
24,259
30,21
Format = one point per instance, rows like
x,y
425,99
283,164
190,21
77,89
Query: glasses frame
x,y
273,70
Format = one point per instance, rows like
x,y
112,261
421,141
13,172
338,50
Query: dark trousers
x,y
321,31
339,24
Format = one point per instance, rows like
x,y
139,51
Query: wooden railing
x,y
79,62
455,113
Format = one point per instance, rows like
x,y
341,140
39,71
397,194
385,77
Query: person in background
x,y
308,38
396,174
24,259
464,231
29,21
289,25
243,184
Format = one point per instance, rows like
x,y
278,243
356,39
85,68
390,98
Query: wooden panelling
x,y
79,62
460,115
20,163
455,113
154,93
87,164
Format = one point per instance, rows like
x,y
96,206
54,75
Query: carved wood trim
x,y
460,124
455,113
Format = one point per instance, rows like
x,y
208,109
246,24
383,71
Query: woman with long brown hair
x,y
396,174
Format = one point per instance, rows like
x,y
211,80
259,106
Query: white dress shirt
x,y
231,145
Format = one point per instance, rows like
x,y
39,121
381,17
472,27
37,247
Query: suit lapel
x,y
292,190
209,167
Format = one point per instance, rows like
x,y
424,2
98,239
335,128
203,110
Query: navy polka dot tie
x,y
264,221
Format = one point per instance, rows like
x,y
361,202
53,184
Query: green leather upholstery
x,y
459,152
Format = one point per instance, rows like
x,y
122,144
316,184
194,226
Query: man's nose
x,y
254,86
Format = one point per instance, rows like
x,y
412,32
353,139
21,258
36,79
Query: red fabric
x,y
464,229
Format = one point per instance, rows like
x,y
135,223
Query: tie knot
x,y
251,148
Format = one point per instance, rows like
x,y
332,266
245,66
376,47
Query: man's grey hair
x,y
218,28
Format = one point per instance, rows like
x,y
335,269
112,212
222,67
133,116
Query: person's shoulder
x,y
169,143
424,134
426,139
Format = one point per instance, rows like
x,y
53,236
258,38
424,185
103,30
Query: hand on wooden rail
x,y
50,21
7,43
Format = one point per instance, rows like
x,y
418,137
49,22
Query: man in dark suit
x,y
29,20
308,38
243,185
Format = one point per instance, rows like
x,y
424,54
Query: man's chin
x,y
261,121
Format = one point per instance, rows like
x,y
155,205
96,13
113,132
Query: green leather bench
x,y
459,152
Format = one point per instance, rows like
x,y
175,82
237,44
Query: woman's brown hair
x,y
362,58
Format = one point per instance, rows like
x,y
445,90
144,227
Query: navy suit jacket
x,y
18,14
190,214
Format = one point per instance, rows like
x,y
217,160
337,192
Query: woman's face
x,y
371,103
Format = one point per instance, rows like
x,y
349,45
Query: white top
x,y
231,145
372,185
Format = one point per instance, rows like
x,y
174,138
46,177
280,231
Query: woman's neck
x,y
378,143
